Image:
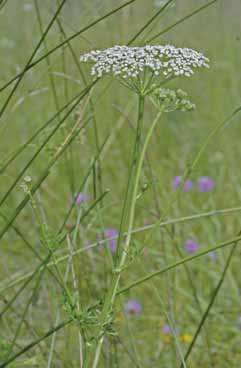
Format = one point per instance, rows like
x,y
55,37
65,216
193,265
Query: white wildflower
x,y
27,179
130,62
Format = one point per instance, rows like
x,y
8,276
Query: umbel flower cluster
x,y
169,100
130,62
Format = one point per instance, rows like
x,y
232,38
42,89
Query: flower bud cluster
x,y
169,100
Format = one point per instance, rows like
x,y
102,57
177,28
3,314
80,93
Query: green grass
x,y
54,273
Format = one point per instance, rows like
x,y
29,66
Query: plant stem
x,y
109,301
96,346
135,191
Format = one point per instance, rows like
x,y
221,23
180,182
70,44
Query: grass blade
x,y
150,21
39,183
31,139
212,300
56,128
35,342
177,264
31,57
82,30
188,16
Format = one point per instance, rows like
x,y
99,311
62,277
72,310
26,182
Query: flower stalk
x,y
96,346
138,162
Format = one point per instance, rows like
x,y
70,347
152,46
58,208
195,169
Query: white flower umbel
x,y
133,62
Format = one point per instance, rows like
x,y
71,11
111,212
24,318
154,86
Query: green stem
x,y
136,185
124,213
109,301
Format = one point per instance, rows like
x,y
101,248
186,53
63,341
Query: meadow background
x,y
172,308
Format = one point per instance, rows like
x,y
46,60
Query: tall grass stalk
x,y
210,304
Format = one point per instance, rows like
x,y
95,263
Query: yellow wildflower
x,y
186,338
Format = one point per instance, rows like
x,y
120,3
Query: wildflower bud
x,y
26,184
27,179
169,100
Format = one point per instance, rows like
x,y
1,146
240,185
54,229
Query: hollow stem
x,y
136,167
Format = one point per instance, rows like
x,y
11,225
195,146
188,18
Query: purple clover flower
x,y
205,184
81,197
166,330
177,181
191,246
111,233
132,306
